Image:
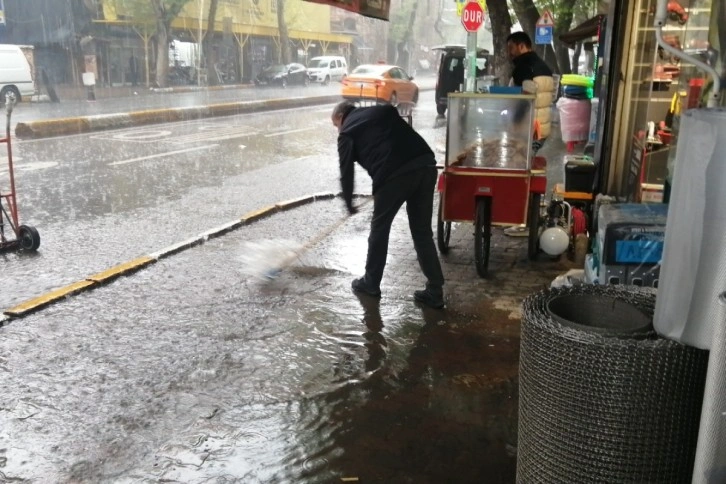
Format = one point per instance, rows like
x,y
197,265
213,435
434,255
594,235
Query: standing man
x,y
403,169
134,68
534,76
529,67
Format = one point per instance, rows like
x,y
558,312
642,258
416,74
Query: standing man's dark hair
x,y
520,38
403,169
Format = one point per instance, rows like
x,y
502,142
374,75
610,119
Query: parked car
x,y
327,68
380,82
15,73
283,75
451,72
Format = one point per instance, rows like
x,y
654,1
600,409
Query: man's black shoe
x,y
359,286
425,297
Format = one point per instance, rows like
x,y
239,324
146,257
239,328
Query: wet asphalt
x,y
198,370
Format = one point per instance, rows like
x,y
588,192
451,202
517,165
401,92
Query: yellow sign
x,y
461,3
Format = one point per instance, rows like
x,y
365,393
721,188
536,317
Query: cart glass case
x,y
490,131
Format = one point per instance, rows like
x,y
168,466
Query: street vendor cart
x,y
490,177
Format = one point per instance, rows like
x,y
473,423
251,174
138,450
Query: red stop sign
x,y
472,16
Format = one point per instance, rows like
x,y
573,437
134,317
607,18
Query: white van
x,y
16,74
327,68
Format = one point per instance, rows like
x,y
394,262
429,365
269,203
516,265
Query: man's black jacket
x,y
382,143
527,66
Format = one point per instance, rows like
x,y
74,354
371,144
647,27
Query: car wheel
x,y
394,99
283,83
9,90
326,81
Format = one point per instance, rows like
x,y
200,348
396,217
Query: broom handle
x,y
314,241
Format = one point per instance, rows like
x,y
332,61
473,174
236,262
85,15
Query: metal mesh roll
x,y
605,406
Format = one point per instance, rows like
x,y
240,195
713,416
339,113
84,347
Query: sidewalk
x,y
341,386
126,106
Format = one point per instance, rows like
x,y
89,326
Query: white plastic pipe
x,y
661,15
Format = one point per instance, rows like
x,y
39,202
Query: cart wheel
x,y
533,222
443,231
482,235
28,237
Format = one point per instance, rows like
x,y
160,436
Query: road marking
x,y
291,131
219,134
161,155
242,147
143,135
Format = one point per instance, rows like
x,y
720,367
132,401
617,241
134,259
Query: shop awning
x,y
585,31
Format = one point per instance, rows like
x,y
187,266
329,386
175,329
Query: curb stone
x,y
100,122
127,268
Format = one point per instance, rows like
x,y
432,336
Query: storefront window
x,y
662,85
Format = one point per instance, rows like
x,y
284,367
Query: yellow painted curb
x,y
121,269
258,214
295,202
50,297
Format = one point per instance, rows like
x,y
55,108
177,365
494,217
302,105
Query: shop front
x,y
652,87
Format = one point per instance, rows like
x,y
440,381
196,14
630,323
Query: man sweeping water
x,y
403,169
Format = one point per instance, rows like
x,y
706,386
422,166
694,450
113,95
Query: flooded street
x,y
190,371
230,362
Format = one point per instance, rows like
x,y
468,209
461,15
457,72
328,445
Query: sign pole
x,y
472,17
470,81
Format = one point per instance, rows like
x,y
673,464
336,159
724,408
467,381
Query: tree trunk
x,y
405,47
575,58
162,54
563,23
209,52
501,27
284,36
162,43
528,15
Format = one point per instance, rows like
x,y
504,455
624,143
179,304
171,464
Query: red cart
x,y
490,176
18,236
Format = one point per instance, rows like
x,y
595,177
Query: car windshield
x,y
318,63
275,69
369,70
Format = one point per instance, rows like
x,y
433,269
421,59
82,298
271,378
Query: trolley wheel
x,y
482,235
443,231
28,237
533,222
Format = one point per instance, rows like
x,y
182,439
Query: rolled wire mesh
x,y
605,408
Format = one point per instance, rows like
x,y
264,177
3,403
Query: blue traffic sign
x,y
543,34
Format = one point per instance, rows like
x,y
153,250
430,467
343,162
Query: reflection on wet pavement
x,y
191,370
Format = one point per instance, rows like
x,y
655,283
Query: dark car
x,y
451,72
283,75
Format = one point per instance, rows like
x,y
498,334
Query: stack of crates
x,y
628,246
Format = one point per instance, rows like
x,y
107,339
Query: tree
x,y
139,14
564,11
165,11
528,14
501,23
401,33
282,29
209,53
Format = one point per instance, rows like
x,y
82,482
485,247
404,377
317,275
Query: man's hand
x,y
352,210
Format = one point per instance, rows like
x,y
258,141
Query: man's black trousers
x,y
416,189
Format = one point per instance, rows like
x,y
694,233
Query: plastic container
x,y
579,176
574,119
505,90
